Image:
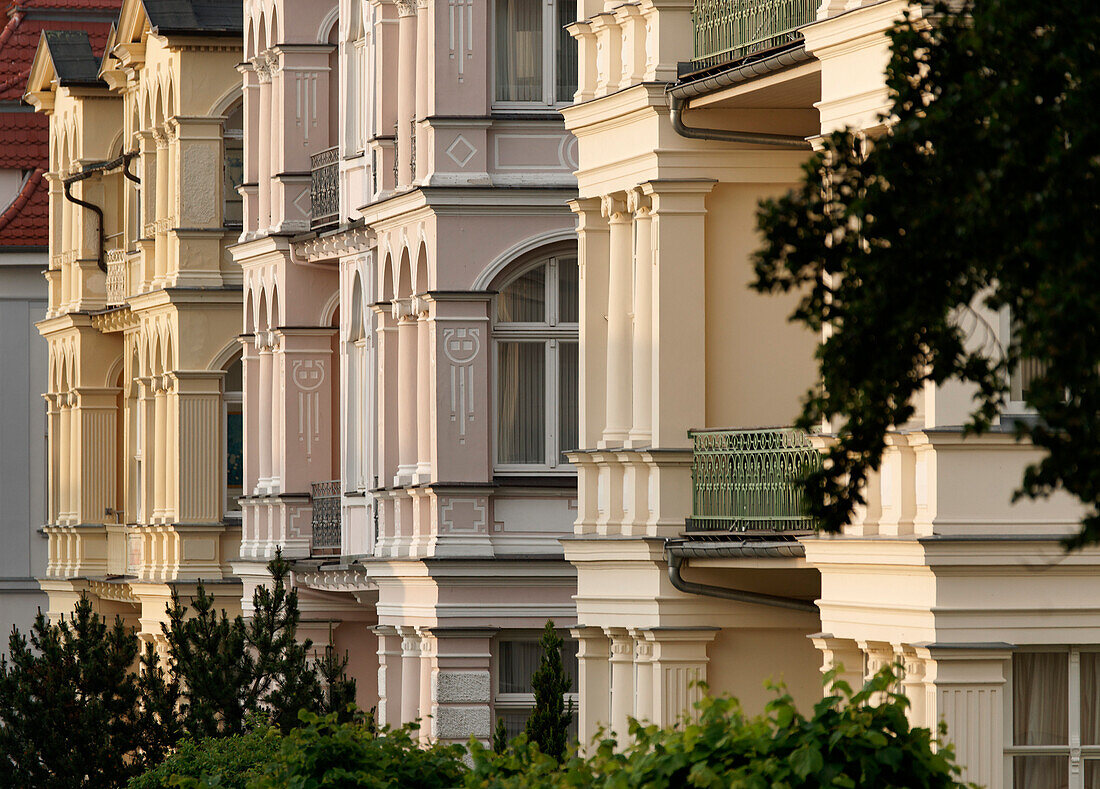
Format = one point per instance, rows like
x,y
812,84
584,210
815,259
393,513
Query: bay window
x,y
536,59
536,367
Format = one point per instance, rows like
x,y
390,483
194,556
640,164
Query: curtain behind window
x,y
568,387
519,50
1040,716
566,52
521,394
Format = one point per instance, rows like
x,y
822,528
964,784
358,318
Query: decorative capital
x,y
638,203
406,7
613,207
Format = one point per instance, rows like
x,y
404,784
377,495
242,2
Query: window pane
x,y
517,662
568,293
519,50
515,721
1040,772
521,402
1092,774
519,659
1040,690
523,300
568,384
1090,699
234,454
566,54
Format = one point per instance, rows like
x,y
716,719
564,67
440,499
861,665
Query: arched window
x,y
535,335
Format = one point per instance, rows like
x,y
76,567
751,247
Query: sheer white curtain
x,y
1040,716
521,395
519,50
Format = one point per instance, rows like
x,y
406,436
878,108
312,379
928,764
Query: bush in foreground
x,y
227,762
860,739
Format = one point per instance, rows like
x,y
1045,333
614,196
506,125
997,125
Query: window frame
x,y
551,333
549,103
1074,751
525,702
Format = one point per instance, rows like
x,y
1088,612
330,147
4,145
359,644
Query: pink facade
x,y
410,338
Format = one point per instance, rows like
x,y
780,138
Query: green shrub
x,y
849,741
228,762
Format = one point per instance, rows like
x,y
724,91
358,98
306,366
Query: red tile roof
x,y
24,135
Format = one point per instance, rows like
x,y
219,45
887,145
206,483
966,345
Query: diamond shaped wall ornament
x,y
460,151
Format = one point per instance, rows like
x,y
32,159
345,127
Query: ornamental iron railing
x,y
326,518
324,189
118,278
727,30
744,480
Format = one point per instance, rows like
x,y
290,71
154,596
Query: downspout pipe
x,y
679,94
676,563
98,168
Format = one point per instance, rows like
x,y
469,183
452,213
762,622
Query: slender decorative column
x,y
424,78
266,396
159,459
424,391
594,680
643,683
617,422
389,675
263,152
53,430
278,409
408,342
147,217
147,438
406,88
622,681
64,458
73,456
642,356
410,674
160,225
386,424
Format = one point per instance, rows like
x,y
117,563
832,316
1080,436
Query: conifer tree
x,y
73,712
500,737
548,726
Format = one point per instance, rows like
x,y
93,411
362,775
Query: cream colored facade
x,y
994,625
143,315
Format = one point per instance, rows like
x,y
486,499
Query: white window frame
x,y
549,101
1076,752
552,333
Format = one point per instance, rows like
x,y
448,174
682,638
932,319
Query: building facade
x,y
410,339
144,372
24,232
693,560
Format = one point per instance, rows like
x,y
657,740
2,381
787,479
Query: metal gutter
x,y
680,93
678,551
98,168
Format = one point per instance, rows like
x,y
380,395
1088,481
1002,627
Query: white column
x,y
389,676
410,674
266,396
424,392
643,684
424,66
65,458
159,459
617,421
408,344
160,265
622,681
594,680
406,88
642,356
263,153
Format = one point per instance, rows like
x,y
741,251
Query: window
x,y
537,366
1055,727
514,698
233,430
536,58
233,171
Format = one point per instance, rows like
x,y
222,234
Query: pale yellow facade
x,y
143,316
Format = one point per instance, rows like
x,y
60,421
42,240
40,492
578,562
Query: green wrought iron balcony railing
x,y
324,189
743,480
727,30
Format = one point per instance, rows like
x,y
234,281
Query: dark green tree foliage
x,y
849,741
230,669
71,705
227,762
500,737
548,726
985,190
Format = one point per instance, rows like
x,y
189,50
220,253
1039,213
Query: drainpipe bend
x,y
87,172
679,94
676,562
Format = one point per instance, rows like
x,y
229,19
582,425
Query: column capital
x,y
614,207
406,8
678,196
638,202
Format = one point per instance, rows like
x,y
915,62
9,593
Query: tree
x,y
230,669
500,737
984,193
73,712
548,726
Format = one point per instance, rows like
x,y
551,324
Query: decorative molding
x,y
309,375
461,347
461,40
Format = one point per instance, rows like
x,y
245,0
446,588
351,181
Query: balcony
x,y
326,518
118,278
728,30
743,480
324,189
